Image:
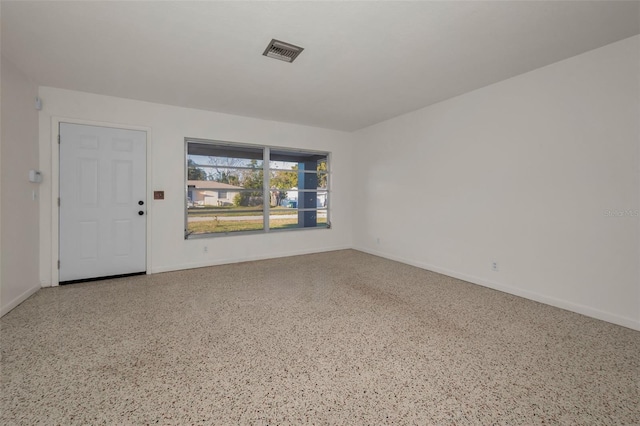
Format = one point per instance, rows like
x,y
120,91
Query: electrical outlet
x,y
494,266
205,249
378,240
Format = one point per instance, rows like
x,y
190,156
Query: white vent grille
x,y
284,51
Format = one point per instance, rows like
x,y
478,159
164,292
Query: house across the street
x,y
210,193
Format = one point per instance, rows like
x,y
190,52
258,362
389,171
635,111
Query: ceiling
x,y
364,62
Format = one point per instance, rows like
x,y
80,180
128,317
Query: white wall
x,y
520,172
19,211
168,126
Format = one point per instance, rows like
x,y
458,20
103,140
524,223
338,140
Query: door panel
x,y
88,240
87,180
102,181
122,242
122,172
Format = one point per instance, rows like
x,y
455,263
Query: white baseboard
x,y
225,261
631,323
5,309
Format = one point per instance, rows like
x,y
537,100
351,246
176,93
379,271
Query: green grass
x,y
231,211
224,226
211,226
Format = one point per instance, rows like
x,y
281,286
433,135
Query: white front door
x,y
103,204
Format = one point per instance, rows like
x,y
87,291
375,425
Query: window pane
x,y
288,218
323,198
322,180
283,180
201,151
211,220
226,217
288,181
205,162
214,162
295,157
241,210
283,165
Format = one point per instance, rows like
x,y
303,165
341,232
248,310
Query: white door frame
x,y
55,187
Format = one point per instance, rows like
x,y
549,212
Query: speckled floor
x,y
332,338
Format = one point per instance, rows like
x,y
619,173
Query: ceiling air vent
x,y
284,51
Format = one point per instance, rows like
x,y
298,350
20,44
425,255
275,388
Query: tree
x,y
251,179
284,180
228,177
254,177
322,177
195,173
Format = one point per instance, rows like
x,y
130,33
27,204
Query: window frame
x,y
266,187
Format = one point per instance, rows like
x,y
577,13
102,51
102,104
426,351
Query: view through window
x,y
227,186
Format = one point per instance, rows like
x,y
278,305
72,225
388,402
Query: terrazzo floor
x,y
340,338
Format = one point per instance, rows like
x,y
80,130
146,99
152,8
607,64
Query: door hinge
x,y
58,139
58,201
58,264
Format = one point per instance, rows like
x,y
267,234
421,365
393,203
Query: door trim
x,y
55,187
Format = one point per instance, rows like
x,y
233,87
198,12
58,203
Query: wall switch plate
x,y
35,176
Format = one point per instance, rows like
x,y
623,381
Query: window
x,y
227,185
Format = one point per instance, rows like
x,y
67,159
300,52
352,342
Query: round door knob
x,y
140,212
140,202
